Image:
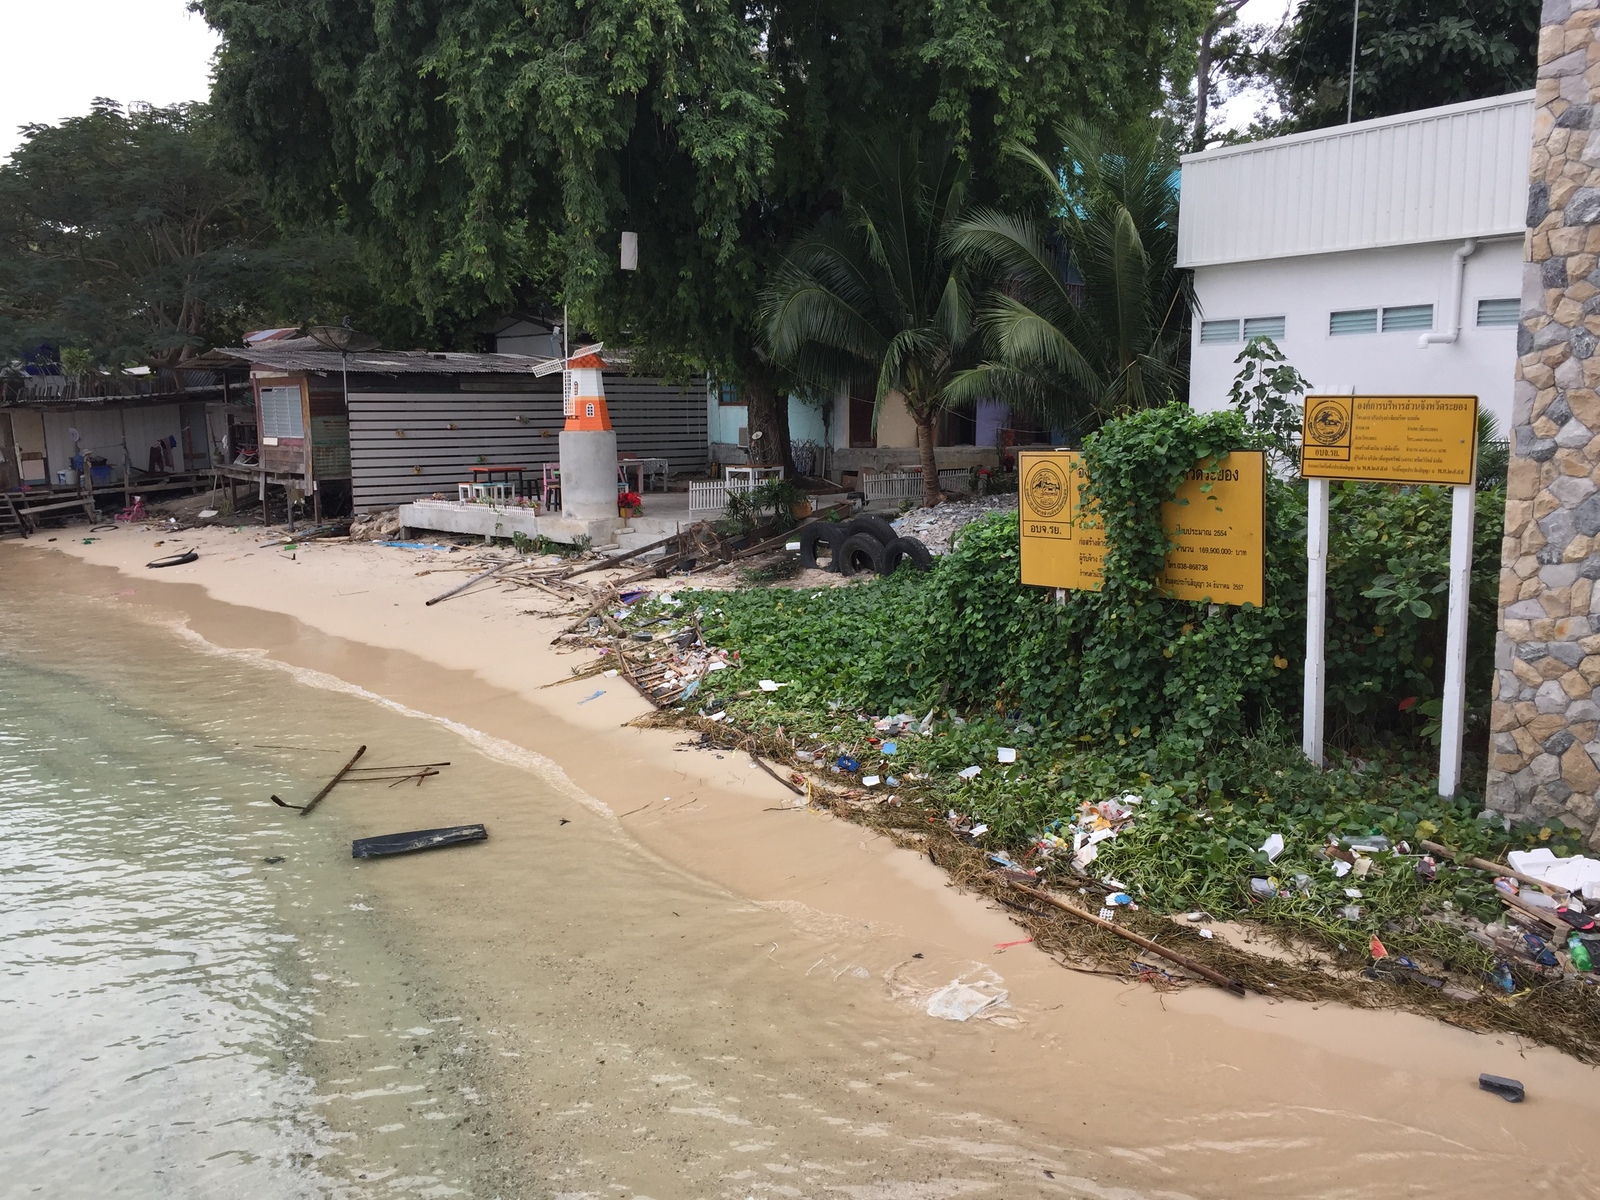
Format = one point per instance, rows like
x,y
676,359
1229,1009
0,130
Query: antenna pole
x,y
1355,24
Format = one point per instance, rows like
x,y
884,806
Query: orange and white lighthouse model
x,y
588,443
585,405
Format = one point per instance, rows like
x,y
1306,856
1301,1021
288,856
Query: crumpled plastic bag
x,y
958,1001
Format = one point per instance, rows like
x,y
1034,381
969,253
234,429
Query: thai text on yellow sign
x,y
1217,525
1062,545
1216,522
1390,439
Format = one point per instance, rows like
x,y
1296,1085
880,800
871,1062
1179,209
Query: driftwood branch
x,y
305,809
498,567
1494,868
1183,960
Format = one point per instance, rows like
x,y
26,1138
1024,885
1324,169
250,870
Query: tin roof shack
x,y
67,441
380,428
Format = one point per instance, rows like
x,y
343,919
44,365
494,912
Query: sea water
x,y
203,995
191,1003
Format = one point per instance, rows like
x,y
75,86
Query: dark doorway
x,y
960,427
861,435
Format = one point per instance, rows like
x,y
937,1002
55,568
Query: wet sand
x,y
1101,1084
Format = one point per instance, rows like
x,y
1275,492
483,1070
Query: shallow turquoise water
x,y
181,1017
164,984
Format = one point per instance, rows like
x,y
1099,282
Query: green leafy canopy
x,y
491,151
125,238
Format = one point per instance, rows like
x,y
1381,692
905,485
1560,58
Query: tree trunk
x,y
1202,88
1221,18
768,414
931,494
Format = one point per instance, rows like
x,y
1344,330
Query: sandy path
x,y
1201,1093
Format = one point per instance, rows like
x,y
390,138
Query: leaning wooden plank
x,y
418,839
496,569
1543,915
332,783
600,564
772,543
600,604
1494,868
656,568
1183,960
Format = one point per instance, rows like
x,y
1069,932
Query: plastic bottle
x,y
1579,952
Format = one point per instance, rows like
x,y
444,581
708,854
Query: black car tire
x,y
873,525
902,549
861,553
821,533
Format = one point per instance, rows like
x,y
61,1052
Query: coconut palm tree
x,y
874,292
1090,314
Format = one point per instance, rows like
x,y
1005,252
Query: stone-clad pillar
x,y
1545,754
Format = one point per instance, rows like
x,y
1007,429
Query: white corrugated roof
x,y
1436,175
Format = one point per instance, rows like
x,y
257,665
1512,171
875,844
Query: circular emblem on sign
x,y
1328,421
1047,489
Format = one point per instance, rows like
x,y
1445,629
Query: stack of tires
x,y
862,545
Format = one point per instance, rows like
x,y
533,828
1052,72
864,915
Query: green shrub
x,y
1126,669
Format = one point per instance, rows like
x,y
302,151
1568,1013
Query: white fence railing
x,y
712,496
906,485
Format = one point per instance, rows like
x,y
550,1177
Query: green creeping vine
x,y
1150,666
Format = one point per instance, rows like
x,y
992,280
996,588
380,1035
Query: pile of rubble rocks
x,y
935,527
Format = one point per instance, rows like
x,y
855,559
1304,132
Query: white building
x,y
1382,255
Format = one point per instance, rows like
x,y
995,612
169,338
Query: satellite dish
x,y
341,338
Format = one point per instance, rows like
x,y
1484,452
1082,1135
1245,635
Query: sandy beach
x,y
1086,1086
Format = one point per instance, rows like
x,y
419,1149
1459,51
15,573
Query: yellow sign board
x,y
1217,523
1218,526
1062,546
1390,439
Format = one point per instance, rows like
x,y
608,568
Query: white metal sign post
x,y
1452,720
1316,616
1399,440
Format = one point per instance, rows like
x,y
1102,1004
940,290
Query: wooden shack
x,y
364,430
92,441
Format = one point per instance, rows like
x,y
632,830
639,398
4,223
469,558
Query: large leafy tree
x,y
1410,54
874,290
123,239
492,151
1091,313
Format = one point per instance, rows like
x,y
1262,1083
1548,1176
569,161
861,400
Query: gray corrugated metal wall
x,y
1436,175
406,445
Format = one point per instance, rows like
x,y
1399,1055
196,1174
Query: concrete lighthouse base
x,y
589,481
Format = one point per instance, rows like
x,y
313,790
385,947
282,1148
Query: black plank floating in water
x,y
417,839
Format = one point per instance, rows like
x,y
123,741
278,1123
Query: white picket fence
x,y
712,496
906,485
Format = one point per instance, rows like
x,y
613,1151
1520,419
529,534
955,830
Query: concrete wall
x,y
728,423
806,423
1304,291
1545,753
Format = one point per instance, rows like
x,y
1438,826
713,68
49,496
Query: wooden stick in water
x,y
356,778
402,766
332,783
1183,960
